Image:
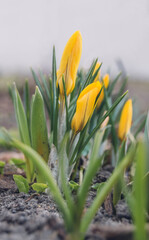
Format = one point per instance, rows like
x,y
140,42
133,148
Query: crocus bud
x,y
85,106
125,120
69,63
95,69
105,81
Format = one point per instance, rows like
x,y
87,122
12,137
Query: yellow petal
x,y
105,81
95,69
125,120
69,63
100,99
85,106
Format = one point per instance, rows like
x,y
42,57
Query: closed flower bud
x,y
105,81
125,120
85,106
69,63
95,69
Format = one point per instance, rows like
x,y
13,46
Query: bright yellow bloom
x,y
69,63
105,81
85,106
95,69
125,120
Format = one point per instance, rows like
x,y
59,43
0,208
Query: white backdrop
x,y
111,30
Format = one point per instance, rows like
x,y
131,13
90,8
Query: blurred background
x,y
115,31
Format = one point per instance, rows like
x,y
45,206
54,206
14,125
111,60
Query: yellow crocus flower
x,y
85,106
95,69
105,81
125,120
69,63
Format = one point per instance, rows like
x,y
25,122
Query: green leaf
x,y
73,185
112,85
2,165
21,183
46,86
39,132
41,90
139,124
23,129
63,173
139,186
98,186
21,117
20,163
54,85
39,187
93,166
119,185
27,102
146,134
89,75
95,74
87,148
123,85
66,106
111,121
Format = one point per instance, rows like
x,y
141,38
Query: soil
x,y
35,216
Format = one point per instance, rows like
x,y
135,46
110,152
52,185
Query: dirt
x,y
35,216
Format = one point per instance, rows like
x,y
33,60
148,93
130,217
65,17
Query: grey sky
x,y
111,30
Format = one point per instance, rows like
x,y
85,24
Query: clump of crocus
x,y
85,106
105,82
69,63
125,120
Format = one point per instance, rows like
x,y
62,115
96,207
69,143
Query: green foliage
x,y
39,187
139,204
20,163
23,128
2,165
21,183
39,133
73,185
119,185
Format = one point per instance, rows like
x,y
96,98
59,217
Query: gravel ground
x,y
33,216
